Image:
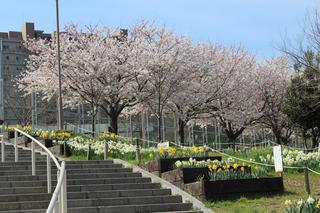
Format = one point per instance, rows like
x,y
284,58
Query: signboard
x,y
164,145
277,156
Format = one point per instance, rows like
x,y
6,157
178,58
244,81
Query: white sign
x,y
164,145
277,156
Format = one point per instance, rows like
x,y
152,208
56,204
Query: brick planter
x,y
224,189
175,177
164,165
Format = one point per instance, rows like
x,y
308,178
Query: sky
x,y
257,25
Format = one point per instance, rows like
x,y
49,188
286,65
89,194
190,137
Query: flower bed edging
x,y
223,189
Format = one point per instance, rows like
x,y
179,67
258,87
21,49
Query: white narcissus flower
x,y
310,200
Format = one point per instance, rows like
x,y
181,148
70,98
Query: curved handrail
x,y
41,145
57,190
60,192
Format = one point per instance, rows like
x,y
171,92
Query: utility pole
x,y
60,110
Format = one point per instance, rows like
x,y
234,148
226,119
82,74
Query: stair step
x,y
145,208
40,204
119,186
86,195
29,177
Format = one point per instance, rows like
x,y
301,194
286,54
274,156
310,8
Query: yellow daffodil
x,y
288,202
299,202
194,149
242,168
235,166
219,170
113,135
199,149
171,150
161,150
318,205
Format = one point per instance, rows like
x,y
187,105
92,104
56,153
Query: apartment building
x,y
14,108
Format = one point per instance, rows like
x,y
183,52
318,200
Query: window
x,y
5,47
7,57
17,58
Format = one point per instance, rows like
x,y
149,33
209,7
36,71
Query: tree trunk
x,y
159,115
93,119
114,123
182,125
159,127
278,138
93,124
232,143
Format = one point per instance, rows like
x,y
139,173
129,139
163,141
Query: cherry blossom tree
x,y
97,69
163,64
272,81
200,87
236,106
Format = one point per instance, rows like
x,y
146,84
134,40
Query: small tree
x,y
301,106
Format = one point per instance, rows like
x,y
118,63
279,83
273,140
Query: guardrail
x,y
58,202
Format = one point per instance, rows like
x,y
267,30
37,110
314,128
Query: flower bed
x,y
163,165
194,174
310,205
224,189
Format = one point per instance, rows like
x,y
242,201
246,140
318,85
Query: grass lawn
x,y
294,189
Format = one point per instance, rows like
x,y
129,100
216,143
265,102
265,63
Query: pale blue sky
x,y
257,25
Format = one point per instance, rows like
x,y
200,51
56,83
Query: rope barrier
x,y
222,153
317,173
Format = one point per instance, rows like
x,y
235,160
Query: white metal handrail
x,y
58,202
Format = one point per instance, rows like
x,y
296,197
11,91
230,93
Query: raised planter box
x,y
10,135
48,143
193,174
165,165
180,177
224,189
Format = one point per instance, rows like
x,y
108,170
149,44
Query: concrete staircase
x,y
92,186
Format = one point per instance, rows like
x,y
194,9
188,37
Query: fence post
x,y
49,174
138,155
2,150
106,150
306,179
89,152
16,146
33,158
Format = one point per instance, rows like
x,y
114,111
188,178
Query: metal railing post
x,y
33,159
15,146
56,208
49,174
2,150
64,194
